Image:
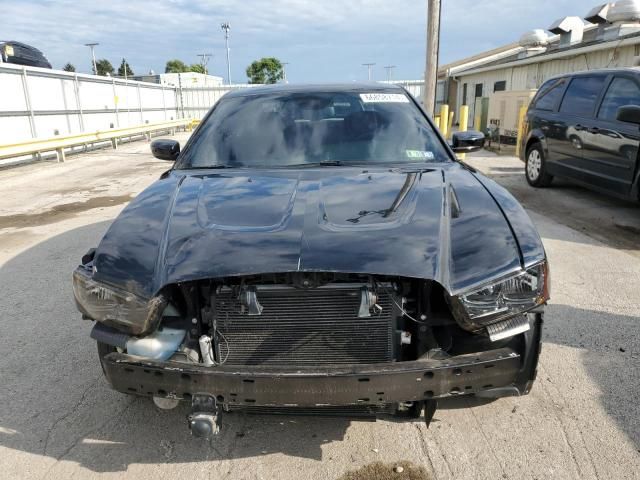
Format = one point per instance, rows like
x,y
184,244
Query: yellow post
x,y
464,124
450,126
436,120
476,123
521,115
444,120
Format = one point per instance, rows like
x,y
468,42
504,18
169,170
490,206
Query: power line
x,y
370,69
389,69
204,61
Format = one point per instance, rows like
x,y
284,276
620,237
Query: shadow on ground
x,y
610,220
57,404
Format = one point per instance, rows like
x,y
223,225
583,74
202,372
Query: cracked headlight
x,y
114,306
502,299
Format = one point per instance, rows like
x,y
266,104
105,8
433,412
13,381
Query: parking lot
x,y
59,419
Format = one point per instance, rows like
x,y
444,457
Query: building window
x,y
500,86
464,94
478,90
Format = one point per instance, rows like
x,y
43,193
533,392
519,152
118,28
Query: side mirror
x,y
467,142
165,149
629,114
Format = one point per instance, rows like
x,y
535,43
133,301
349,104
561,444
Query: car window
x,y
621,92
295,128
582,95
549,94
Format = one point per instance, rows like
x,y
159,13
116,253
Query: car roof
x,y
600,71
355,87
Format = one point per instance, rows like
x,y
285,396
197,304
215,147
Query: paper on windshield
x,y
384,98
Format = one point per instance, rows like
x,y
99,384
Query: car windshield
x,y
304,129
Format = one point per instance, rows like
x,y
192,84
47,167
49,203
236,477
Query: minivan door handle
x,y
580,128
594,130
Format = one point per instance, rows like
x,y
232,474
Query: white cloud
x,y
323,40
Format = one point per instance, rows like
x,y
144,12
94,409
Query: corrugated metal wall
x,y
532,76
41,103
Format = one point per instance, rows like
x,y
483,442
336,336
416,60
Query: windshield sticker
x,y
420,155
384,98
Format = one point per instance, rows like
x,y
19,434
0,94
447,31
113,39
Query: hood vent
x,y
625,18
570,29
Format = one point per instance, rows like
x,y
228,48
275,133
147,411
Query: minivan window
x,y
582,95
549,94
621,92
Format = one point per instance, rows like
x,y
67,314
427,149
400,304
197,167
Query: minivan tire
x,y
535,167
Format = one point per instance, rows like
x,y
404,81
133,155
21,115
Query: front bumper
x,y
501,370
484,373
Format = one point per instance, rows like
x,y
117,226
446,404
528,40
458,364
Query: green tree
x,y
69,68
198,68
124,70
176,66
265,70
104,67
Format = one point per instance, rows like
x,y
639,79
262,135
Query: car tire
x,y
535,167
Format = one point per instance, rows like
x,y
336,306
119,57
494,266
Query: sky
x,y
322,40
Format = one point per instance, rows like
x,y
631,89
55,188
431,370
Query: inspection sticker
x,y
384,98
420,155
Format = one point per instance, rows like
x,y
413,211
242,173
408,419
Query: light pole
x,y
370,69
227,28
433,48
92,46
204,61
284,71
389,69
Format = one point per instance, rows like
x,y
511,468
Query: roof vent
x,y
598,15
570,29
533,43
625,17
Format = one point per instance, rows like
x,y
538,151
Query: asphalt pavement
x,y
59,419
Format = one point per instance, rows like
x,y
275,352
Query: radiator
x,y
317,326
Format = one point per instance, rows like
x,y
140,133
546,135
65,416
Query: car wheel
x,y
535,167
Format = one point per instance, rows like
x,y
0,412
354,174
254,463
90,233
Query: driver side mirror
x,y
165,149
467,142
629,114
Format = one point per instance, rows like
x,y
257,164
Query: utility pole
x,y
370,69
389,69
92,46
204,61
227,28
284,71
433,48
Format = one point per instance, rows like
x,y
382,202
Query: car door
x,y
577,110
543,116
611,152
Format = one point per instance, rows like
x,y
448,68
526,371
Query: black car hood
x,y
439,222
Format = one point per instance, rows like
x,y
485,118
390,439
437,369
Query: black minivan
x,y
586,127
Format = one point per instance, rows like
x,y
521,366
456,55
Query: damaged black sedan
x,y
317,248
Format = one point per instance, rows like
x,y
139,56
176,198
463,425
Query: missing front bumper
x,y
314,386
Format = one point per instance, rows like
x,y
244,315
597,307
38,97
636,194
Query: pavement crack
x,y
73,410
486,439
75,443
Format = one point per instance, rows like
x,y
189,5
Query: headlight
x,y
114,306
503,299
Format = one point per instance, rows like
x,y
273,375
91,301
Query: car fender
x,y
535,135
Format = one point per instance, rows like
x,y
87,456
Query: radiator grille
x,y
305,327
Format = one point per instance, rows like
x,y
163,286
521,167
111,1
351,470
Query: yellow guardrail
x,y
58,143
